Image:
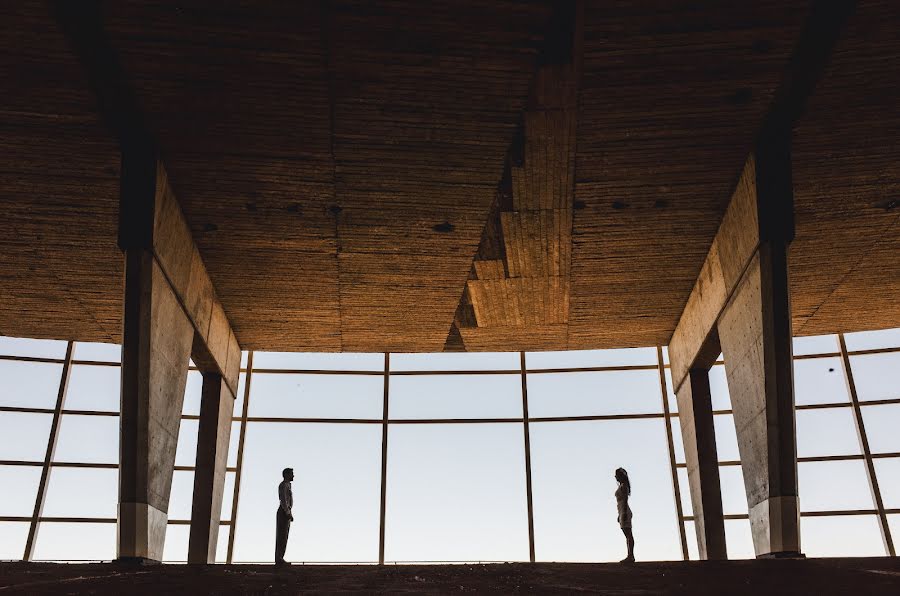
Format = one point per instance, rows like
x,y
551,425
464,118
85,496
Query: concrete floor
x,y
766,578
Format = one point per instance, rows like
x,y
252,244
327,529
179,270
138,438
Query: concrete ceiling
x,y
338,163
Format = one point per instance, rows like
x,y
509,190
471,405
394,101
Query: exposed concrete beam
x,y
216,409
171,311
701,458
739,233
740,304
150,219
155,350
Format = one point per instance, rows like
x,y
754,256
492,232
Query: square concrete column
x,y
156,348
216,409
755,334
699,436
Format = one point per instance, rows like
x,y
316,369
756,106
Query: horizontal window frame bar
x,y
60,360
814,459
829,513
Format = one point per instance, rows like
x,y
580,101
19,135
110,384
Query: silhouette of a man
x,y
283,516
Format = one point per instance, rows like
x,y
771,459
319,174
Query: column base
x,y
137,561
782,555
141,531
775,523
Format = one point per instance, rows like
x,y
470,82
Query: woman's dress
x,y
624,509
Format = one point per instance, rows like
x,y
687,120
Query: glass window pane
x,y
82,492
834,486
227,498
19,490
88,439
816,344
318,361
678,441
739,539
888,473
456,396
456,492
287,395
573,464
177,540
841,536
181,498
726,438
684,489
690,532
233,441
337,490
873,340
594,393
94,388
239,398
453,361
35,348
24,435
882,423
186,449
29,384
222,544
820,381
894,524
193,394
13,536
718,388
69,541
831,431
670,393
97,352
244,354
734,497
731,482
591,358
877,376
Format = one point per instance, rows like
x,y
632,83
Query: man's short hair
x,y
286,471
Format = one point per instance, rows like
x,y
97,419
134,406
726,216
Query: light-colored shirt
x,y
285,496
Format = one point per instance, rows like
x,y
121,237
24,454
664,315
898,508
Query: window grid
x,y
48,463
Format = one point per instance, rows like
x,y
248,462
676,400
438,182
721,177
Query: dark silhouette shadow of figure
x,y
283,517
622,494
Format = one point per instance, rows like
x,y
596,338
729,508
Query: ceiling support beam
x,y
213,438
740,304
171,314
702,462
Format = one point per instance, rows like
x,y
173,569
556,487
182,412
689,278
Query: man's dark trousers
x,y
282,529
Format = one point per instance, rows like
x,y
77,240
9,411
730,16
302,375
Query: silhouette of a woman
x,y
622,494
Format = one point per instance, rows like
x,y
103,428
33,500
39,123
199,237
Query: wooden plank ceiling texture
x,y
350,169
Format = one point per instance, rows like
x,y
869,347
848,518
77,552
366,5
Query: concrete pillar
x,y
216,409
698,433
755,335
157,339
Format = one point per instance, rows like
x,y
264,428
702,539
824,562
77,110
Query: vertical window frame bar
x,y
40,498
527,437
235,498
384,453
679,512
886,537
